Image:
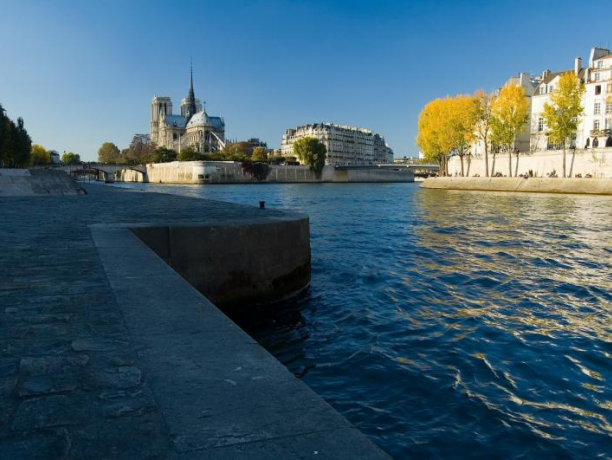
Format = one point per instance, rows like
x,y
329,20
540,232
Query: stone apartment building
x,y
345,144
595,128
592,147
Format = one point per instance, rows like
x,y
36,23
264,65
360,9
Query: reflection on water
x,y
452,324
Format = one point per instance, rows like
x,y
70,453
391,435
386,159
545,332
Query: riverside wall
x,y
109,352
596,162
229,172
32,182
519,184
237,264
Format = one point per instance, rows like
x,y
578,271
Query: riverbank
x,y
232,172
32,182
519,184
108,352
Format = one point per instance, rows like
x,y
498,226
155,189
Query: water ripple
x,y
452,324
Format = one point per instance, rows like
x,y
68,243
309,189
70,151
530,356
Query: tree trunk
x,y
493,165
486,159
509,163
516,166
462,173
564,161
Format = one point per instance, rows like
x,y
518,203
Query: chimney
x,y
545,74
577,65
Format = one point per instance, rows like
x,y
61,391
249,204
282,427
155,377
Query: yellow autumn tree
x,y
39,156
433,138
447,126
462,118
510,113
484,122
562,116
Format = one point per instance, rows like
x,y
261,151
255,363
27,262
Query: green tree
x,y
162,155
562,116
39,156
311,152
509,110
259,154
213,156
189,154
70,158
238,151
109,153
15,142
276,159
140,150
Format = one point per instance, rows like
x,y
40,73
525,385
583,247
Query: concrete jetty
x,y
586,186
107,352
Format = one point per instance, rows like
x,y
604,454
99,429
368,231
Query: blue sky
x,y
83,72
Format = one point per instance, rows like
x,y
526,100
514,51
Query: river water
x,y
451,324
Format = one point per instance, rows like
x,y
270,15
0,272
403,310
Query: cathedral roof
x,y
175,121
217,122
199,119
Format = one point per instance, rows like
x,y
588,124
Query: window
x,y
595,142
597,108
597,90
599,64
551,88
596,76
609,88
608,123
596,124
540,124
174,136
608,106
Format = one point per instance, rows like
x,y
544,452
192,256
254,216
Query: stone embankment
x,y
519,184
30,182
230,172
107,352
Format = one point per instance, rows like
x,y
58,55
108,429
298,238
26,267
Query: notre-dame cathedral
x,y
192,128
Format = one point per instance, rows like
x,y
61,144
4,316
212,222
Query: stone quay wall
x,y
519,184
237,264
108,352
230,172
31,182
596,162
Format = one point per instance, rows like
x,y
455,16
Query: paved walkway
x,y
89,370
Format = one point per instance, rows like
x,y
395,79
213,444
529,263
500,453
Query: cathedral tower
x,y
160,107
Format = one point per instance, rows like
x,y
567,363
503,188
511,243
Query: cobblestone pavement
x,y
71,383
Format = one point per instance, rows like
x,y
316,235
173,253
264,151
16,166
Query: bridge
x,y
102,171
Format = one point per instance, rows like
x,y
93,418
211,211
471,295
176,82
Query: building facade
x,y
591,149
344,144
595,125
193,128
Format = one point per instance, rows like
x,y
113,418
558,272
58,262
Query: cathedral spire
x,y
190,77
191,103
